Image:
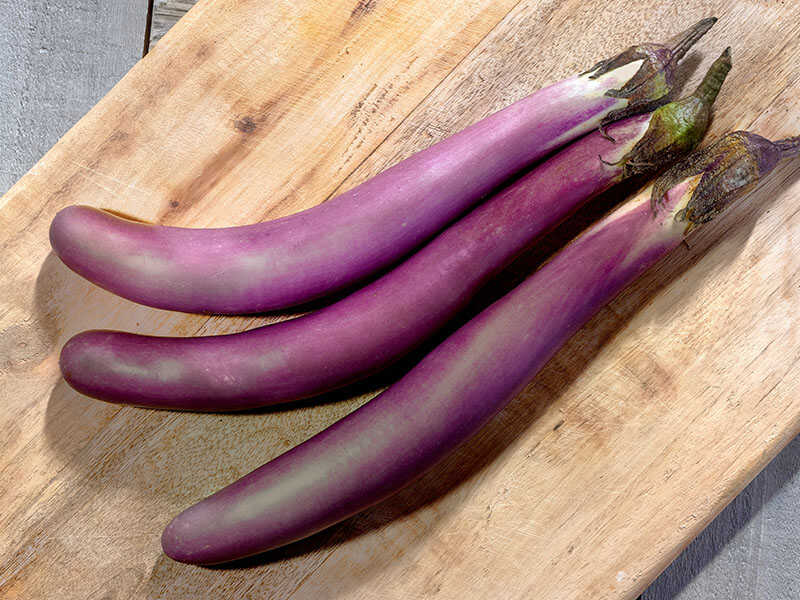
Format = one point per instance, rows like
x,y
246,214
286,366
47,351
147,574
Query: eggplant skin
x,y
389,317
303,256
446,398
365,331
466,380
326,248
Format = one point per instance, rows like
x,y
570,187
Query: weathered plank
x,y
58,59
585,487
165,14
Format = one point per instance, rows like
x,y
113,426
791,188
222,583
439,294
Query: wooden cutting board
x,y
633,437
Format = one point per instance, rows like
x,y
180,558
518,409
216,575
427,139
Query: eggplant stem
x,y
683,41
712,82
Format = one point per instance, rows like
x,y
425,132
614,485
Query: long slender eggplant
x,y
326,248
460,385
386,319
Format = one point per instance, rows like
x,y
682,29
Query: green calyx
x,y
727,170
676,128
654,83
730,169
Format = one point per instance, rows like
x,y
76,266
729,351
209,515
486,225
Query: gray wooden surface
x,y
58,58
165,14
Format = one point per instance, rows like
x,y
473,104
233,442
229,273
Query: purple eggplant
x,y
326,248
460,385
388,318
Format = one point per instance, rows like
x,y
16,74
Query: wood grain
x,y
746,552
633,437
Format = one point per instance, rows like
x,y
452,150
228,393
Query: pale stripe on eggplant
x,y
326,248
388,318
466,380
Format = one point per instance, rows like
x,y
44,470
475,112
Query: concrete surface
x,y
57,59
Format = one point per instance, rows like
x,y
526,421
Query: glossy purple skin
x,y
447,397
363,332
306,255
